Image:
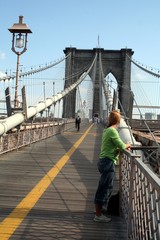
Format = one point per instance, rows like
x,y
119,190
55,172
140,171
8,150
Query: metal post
x,y
16,101
8,102
44,92
53,89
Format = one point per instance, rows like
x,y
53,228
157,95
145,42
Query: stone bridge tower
x,y
113,61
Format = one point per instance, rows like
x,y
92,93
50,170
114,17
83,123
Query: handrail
x,y
140,197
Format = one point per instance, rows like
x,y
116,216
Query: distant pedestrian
x,y
110,147
77,123
95,120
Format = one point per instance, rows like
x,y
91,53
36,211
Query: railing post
x,y
131,192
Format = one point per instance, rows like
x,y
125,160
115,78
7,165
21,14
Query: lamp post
x,y
19,41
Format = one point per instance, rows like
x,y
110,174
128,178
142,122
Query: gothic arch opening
x,y
113,61
84,98
112,83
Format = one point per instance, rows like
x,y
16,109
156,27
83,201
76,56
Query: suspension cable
x,y
144,69
81,71
106,94
106,90
139,112
33,71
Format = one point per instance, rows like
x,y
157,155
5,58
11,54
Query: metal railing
x,y
140,198
32,133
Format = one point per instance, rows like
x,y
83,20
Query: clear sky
x,y
57,24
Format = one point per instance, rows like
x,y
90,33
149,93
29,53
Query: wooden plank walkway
x,y
42,199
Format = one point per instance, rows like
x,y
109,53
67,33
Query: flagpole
x,y
98,42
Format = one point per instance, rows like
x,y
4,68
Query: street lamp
x,y
19,41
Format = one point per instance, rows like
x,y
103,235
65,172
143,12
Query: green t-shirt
x,y
111,144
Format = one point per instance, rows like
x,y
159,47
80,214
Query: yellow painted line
x,y
71,133
15,218
80,133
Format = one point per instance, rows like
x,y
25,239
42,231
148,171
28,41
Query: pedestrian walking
x,y
77,123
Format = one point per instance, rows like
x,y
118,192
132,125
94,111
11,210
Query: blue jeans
x,y
105,186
